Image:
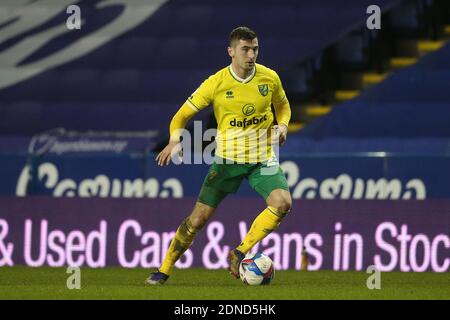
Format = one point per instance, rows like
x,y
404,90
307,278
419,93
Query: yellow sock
x,y
265,223
180,243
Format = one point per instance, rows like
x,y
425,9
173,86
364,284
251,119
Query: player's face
x,y
244,53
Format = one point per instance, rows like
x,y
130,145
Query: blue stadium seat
x,y
190,20
404,17
167,85
80,85
139,52
169,54
40,88
413,84
22,117
296,80
120,85
212,53
349,50
99,58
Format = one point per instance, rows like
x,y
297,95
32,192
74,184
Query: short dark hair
x,y
241,33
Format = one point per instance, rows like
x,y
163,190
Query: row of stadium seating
x,y
286,34
349,145
200,18
158,85
412,85
28,118
94,85
139,79
409,105
204,52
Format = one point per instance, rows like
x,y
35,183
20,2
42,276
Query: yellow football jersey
x,y
242,108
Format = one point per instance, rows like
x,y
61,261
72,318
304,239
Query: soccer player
x,y
242,95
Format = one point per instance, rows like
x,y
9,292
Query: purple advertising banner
x,y
338,234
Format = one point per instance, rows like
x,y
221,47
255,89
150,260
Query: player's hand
x,y
164,157
279,134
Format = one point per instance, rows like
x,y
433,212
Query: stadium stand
x,y
182,40
408,112
137,79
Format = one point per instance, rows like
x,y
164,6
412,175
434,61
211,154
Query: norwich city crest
x,y
263,89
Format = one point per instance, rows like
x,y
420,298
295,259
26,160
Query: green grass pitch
x,y
191,284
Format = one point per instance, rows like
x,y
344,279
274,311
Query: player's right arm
x,y
177,125
199,100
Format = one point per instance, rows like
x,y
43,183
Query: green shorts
x,y
224,178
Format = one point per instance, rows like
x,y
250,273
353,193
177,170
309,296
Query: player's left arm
x,y
283,115
282,111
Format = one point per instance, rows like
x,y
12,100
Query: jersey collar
x,y
236,77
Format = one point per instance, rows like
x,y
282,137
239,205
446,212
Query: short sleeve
x,y
278,95
203,96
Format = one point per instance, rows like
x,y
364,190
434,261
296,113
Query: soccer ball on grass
x,y
256,269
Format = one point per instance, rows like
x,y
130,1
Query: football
x,y
256,269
